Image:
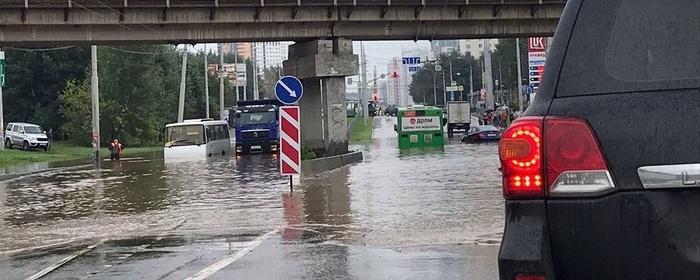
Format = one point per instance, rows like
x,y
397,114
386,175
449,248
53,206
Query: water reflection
x,y
392,198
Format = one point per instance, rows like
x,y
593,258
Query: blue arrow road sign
x,y
289,90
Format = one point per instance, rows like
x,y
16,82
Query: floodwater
x,y
396,204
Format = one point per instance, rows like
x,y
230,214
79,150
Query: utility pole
x,y
374,80
95,92
2,83
434,87
363,83
520,76
256,94
221,81
471,83
489,75
206,80
181,104
235,60
451,78
444,90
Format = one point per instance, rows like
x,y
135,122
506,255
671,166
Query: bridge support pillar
x,y
322,66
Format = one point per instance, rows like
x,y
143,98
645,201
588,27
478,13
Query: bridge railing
x,y
255,3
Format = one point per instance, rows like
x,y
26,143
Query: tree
x,y
34,80
455,67
76,111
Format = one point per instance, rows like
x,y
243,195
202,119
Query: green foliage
x,y
34,80
504,68
62,152
421,89
361,131
504,62
307,152
75,104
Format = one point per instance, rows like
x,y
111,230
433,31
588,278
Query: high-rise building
x,y
245,50
271,54
475,46
444,46
398,83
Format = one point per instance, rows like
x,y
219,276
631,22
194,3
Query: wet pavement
x,y
418,214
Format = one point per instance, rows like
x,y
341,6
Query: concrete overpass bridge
x,y
324,30
55,22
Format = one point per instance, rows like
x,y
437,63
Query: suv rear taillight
x,y
559,153
520,151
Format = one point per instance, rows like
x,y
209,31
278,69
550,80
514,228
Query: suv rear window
x,y
632,45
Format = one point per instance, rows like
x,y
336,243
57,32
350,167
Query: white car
x,y
26,135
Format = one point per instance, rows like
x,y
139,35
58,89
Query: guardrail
x,y
255,3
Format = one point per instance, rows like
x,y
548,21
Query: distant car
x,y
26,135
391,111
482,133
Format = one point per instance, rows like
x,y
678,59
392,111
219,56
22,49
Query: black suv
x,y
602,174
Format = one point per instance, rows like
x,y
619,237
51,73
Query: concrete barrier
x,y
315,166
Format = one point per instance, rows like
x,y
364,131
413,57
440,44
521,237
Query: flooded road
x,y
399,214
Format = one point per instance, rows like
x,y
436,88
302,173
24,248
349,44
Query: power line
x,y
132,52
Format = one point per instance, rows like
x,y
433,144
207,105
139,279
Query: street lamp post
x,y
434,87
444,90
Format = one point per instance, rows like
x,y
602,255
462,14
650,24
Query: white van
x,y
194,139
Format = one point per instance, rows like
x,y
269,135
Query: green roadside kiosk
x,y
420,126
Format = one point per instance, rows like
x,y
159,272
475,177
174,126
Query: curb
x,y
320,165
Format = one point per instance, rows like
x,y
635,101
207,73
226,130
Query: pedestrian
x,y
115,149
50,136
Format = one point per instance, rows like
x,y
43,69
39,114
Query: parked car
x,y
482,133
601,176
26,135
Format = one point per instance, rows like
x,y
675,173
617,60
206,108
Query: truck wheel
x,y
25,146
450,132
8,143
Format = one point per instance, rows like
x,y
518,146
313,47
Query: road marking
x,y
204,273
65,260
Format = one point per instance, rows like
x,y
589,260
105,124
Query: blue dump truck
x,y
257,126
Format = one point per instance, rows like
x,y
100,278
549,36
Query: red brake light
x,y
520,151
575,163
558,152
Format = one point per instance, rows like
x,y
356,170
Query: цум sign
x,y
411,60
421,123
413,63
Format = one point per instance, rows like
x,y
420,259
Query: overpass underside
x,y
56,22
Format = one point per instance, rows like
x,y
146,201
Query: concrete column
x,y
322,66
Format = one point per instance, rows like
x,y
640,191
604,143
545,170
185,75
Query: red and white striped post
x,y
290,142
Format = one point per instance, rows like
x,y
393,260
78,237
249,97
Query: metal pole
x,y
434,88
520,76
363,83
235,60
255,72
2,114
181,105
471,84
206,81
95,92
444,90
221,81
489,75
